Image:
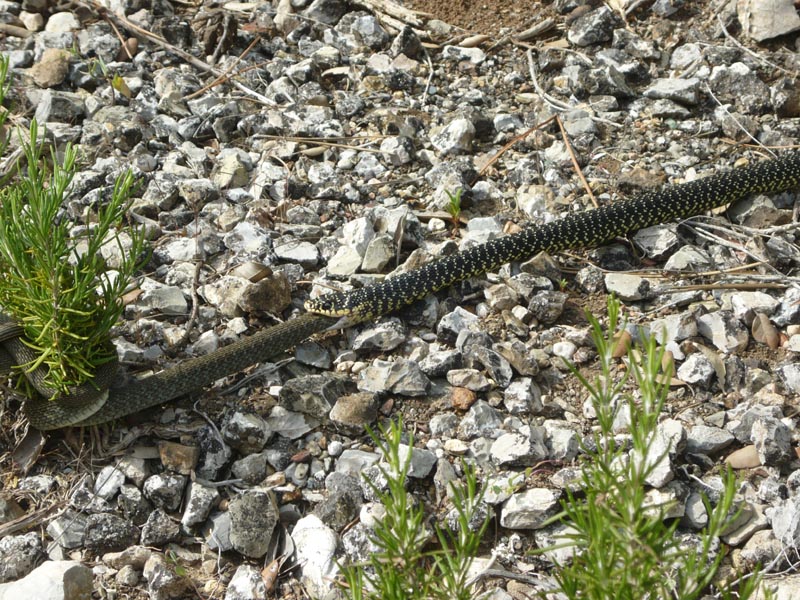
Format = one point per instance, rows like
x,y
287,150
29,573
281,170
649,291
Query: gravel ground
x,y
285,148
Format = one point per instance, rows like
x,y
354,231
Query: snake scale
x,y
578,230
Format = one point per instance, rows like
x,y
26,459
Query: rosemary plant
x,y
404,569
53,278
622,550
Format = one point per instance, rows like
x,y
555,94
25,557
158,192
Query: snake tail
x,y
181,379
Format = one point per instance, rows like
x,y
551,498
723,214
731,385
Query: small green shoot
x,y
454,208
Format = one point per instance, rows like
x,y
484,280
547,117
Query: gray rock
x,y
443,425
343,502
358,543
82,497
135,469
767,19
480,230
326,11
246,433
547,306
401,376
246,584
683,91
658,240
628,287
472,379
666,8
200,502
739,84
439,362
159,529
353,462
163,583
215,455
773,441
384,336
232,168
579,123
369,166
562,441
501,486
789,310
109,533
133,504
374,483
564,350
313,396
398,150
19,554
368,31
345,262
253,516
591,279
524,448
674,328
165,490
316,545
669,440
707,440
762,549
313,354
741,419
53,580
108,482
697,370
218,534
495,365
723,330
530,509
751,519
501,297
519,357
523,397
454,138
593,28
298,251
745,305
689,258
695,515
248,240
62,107
378,254
199,192
68,530
790,375
421,462
481,419
458,53
667,502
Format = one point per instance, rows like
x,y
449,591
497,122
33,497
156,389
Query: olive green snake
x,y
577,230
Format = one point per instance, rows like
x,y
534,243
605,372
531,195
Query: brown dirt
x,y
479,16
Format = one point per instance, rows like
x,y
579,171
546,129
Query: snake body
x,y
585,229
577,230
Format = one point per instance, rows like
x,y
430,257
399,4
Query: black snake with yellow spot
x,y
580,230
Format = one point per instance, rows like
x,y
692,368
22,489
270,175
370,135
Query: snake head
x,y
329,305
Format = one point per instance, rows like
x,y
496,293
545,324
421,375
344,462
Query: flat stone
x,y
530,509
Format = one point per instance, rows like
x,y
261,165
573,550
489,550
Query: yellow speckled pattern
x,y
581,230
